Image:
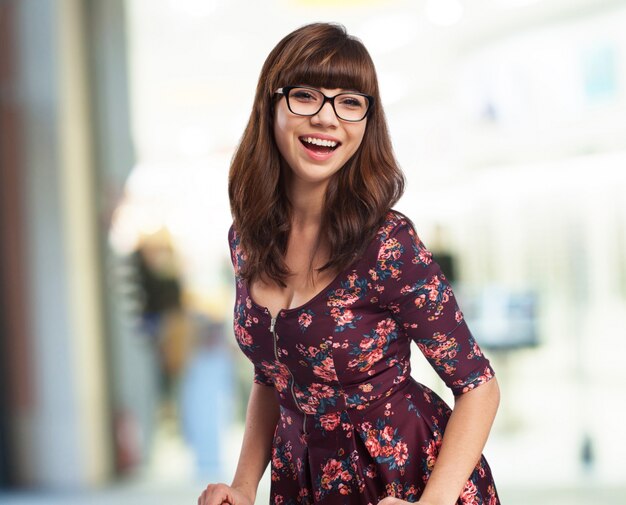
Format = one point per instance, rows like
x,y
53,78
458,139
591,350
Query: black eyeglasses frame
x,y
286,89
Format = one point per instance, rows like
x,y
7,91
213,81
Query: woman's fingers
x,y
215,494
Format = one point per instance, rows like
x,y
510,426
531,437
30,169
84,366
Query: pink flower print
x,y
330,421
425,256
321,390
476,350
406,289
481,470
385,327
242,336
343,489
387,433
458,316
276,461
386,451
305,318
468,495
431,450
401,454
433,291
420,301
373,446
331,471
342,297
366,362
279,374
366,388
491,490
367,343
311,406
341,317
326,370
449,369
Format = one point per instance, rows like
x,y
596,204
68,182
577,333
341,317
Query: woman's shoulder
x,y
237,255
394,223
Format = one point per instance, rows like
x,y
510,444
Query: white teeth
x,y
320,142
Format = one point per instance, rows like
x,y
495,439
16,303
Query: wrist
x,y
247,490
430,499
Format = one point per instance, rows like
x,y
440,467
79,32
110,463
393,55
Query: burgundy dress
x,y
354,425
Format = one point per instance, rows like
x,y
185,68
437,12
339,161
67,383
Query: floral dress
x,y
354,425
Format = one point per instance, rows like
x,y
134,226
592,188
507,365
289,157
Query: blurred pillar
x,y
133,360
16,391
59,399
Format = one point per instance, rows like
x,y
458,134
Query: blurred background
x,y
120,381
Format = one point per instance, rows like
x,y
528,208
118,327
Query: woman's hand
x,y
218,494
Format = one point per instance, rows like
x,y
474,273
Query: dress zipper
x,y
293,394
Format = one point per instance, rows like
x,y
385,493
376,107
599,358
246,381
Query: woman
x,y
332,286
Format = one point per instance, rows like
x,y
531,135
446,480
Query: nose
x,y
326,116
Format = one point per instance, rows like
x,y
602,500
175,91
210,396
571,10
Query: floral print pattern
x,y
354,425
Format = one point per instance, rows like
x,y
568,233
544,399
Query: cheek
x,y
280,135
357,137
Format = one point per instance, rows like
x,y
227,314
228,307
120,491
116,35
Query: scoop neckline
x,y
313,299
350,268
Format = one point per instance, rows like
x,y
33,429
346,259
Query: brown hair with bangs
x,y
358,196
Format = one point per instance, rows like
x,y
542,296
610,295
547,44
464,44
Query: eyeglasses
x,y
305,101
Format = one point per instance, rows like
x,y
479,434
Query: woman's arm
x,y
463,442
462,445
256,449
415,290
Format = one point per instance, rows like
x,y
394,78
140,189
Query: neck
x,y
307,202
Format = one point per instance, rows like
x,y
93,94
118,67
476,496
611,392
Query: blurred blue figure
x,y
206,397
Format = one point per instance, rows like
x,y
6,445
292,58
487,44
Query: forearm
x,y
463,442
256,449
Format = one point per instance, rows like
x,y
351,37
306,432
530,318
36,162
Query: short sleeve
x,y
412,286
261,377
236,254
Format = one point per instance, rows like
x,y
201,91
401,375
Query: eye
x,y
303,95
352,101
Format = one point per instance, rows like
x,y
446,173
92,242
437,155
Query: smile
x,y
321,146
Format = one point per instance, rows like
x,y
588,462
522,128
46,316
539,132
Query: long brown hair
x,y
358,196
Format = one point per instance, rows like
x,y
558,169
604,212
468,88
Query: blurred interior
x,y
120,381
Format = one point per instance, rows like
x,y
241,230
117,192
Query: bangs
x,y
347,65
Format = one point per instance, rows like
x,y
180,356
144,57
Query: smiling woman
x,y
332,285
313,141
321,56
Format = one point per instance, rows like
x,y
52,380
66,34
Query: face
x,y
316,147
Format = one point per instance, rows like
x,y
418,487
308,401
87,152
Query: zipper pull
x,y
272,324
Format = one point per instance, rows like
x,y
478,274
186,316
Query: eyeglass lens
x,y
308,102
